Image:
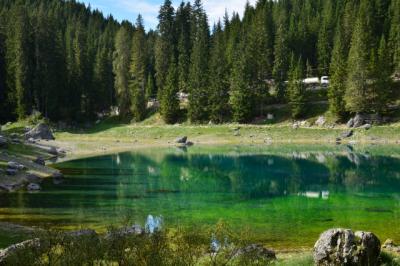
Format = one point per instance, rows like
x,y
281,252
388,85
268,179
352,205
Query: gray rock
x,y
125,232
31,178
390,246
31,140
350,123
347,134
181,140
15,165
189,143
366,126
320,121
256,251
33,187
343,247
13,249
11,171
41,131
359,120
39,160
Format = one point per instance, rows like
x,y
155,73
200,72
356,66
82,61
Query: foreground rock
x,y
41,131
13,249
257,251
390,246
343,247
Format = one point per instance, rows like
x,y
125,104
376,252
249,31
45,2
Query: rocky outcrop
x,y
41,131
362,119
390,246
321,121
343,247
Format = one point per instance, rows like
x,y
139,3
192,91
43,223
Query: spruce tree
x,y
137,72
337,86
198,72
169,98
281,52
165,41
296,89
394,37
358,96
219,82
183,24
241,94
121,69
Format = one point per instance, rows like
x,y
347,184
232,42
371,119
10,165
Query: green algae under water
x,y
284,197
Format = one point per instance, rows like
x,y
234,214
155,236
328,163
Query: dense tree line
x,y
70,62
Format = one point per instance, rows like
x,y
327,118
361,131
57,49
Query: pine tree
x,y
281,52
324,44
357,96
337,86
183,22
296,88
198,72
164,43
394,37
137,72
382,85
169,99
19,56
219,83
121,70
241,95
150,87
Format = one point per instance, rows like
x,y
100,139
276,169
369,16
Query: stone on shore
x,y
15,165
347,134
181,140
343,247
39,160
41,131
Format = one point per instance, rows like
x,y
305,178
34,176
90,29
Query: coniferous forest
x,y
70,63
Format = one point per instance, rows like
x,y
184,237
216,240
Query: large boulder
x,y
41,131
344,247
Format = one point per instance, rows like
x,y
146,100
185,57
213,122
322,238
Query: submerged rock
x,y
39,160
343,247
41,131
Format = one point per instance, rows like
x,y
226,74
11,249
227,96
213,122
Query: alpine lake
x,y
284,196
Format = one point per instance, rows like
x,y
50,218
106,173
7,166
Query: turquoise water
x,y
284,197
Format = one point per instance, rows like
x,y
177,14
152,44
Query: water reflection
x,y
297,193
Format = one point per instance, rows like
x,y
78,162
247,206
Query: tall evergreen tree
x,y
394,37
198,72
121,69
296,88
164,43
337,86
137,72
169,99
281,52
19,60
358,96
183,23
219,82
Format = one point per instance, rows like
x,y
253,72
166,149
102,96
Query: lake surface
x,y
284,196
